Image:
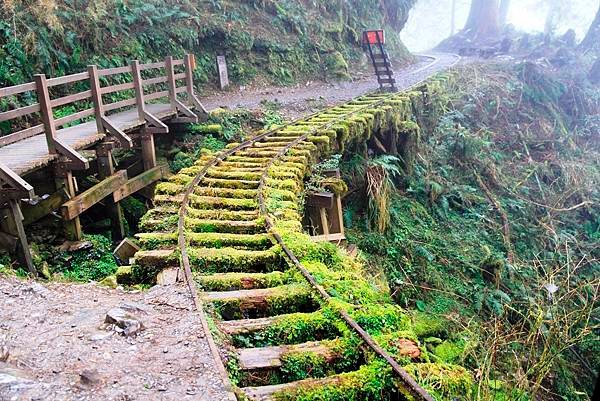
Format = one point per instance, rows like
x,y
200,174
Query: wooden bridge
x,y
72,123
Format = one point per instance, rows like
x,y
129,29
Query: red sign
x,y
370,37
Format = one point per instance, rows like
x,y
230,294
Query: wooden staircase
x,y
374,41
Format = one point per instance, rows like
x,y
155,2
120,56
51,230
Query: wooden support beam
x,y
46,111
23,251
379,145
82,202
64,180
324,221
141,181
124,139
41,209
15,181
106,169
148,150
155,126
190,66
76,161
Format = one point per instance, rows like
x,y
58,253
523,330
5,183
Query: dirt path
x,y
59,347
300,100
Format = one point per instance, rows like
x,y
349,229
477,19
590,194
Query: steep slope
x,y
281,41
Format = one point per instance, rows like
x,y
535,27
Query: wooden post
x,y
46,111
324,221
64,179
139,90
190,63
106,168
148,151
96,96
171,82
16,228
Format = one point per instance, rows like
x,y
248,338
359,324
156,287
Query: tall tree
x,y
592,39
484,19
504,7
453,18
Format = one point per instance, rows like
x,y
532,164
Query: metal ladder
x,y
375,42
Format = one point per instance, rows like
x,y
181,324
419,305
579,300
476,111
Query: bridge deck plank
x,y
32,153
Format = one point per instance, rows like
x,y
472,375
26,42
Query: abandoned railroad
x,y
272,201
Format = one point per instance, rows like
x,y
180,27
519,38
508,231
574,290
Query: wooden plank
x,y
61,101
320,200
67,79
152,81
270,357
20,135
148,66
177,62
156,95
329,237
180,89
82,202
136,183
15,90
43,208
74,117
116,88
114,71
20,112
179,76
119,104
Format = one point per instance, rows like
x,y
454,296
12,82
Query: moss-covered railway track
x,y
294,319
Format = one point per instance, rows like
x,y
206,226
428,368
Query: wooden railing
x,y
170,80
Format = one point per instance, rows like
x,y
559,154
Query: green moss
x,y
442,380
226,259
239,281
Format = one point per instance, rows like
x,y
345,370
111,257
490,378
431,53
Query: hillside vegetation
x,y
279,41
493,233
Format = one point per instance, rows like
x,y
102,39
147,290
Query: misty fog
x,y
430,21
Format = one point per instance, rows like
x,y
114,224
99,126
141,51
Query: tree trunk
x,y
453,18
592,39
484,19
504,7
594,75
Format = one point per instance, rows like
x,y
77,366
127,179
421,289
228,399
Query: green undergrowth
x,y
301,316
492,239
93,262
